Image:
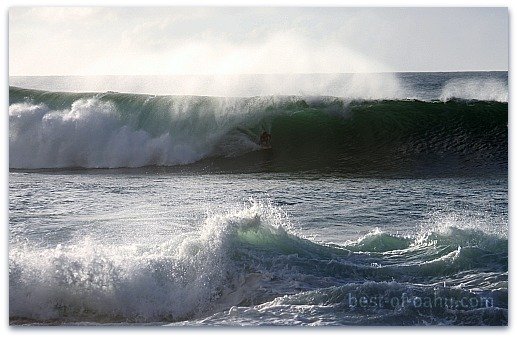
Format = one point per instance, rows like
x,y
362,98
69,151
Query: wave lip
x,y
112,130
250,258
475,89
184,277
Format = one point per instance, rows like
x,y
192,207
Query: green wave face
x,y
326,134
252,258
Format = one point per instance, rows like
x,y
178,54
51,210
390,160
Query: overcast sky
x,y
143,41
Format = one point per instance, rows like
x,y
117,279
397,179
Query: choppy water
x,y
396,213
188,248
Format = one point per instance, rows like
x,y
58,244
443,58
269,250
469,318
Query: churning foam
x,y
478,89
91,133
247,255
169,281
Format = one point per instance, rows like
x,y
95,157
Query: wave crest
x,y
475,89
244,257
181,278
111,130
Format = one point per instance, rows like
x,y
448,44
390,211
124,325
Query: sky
x,y
254,40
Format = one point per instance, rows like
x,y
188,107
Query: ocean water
x,y
382,201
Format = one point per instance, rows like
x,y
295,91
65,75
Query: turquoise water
x,y
255,249
163,210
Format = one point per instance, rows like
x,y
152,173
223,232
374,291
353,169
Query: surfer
x,y
265,139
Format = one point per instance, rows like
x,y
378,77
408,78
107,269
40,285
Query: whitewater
x,y
382,201
111,130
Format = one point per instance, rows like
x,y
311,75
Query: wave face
x,y
114,130
249,263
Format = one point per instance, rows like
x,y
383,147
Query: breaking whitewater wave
x,y
172,280
478,89
250,261
113,130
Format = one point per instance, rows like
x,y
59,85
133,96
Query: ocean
x,y
382,200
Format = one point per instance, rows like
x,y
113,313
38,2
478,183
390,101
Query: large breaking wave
x,y
115,130
250,262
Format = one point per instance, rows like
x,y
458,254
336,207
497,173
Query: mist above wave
x,y
368,86
110,130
